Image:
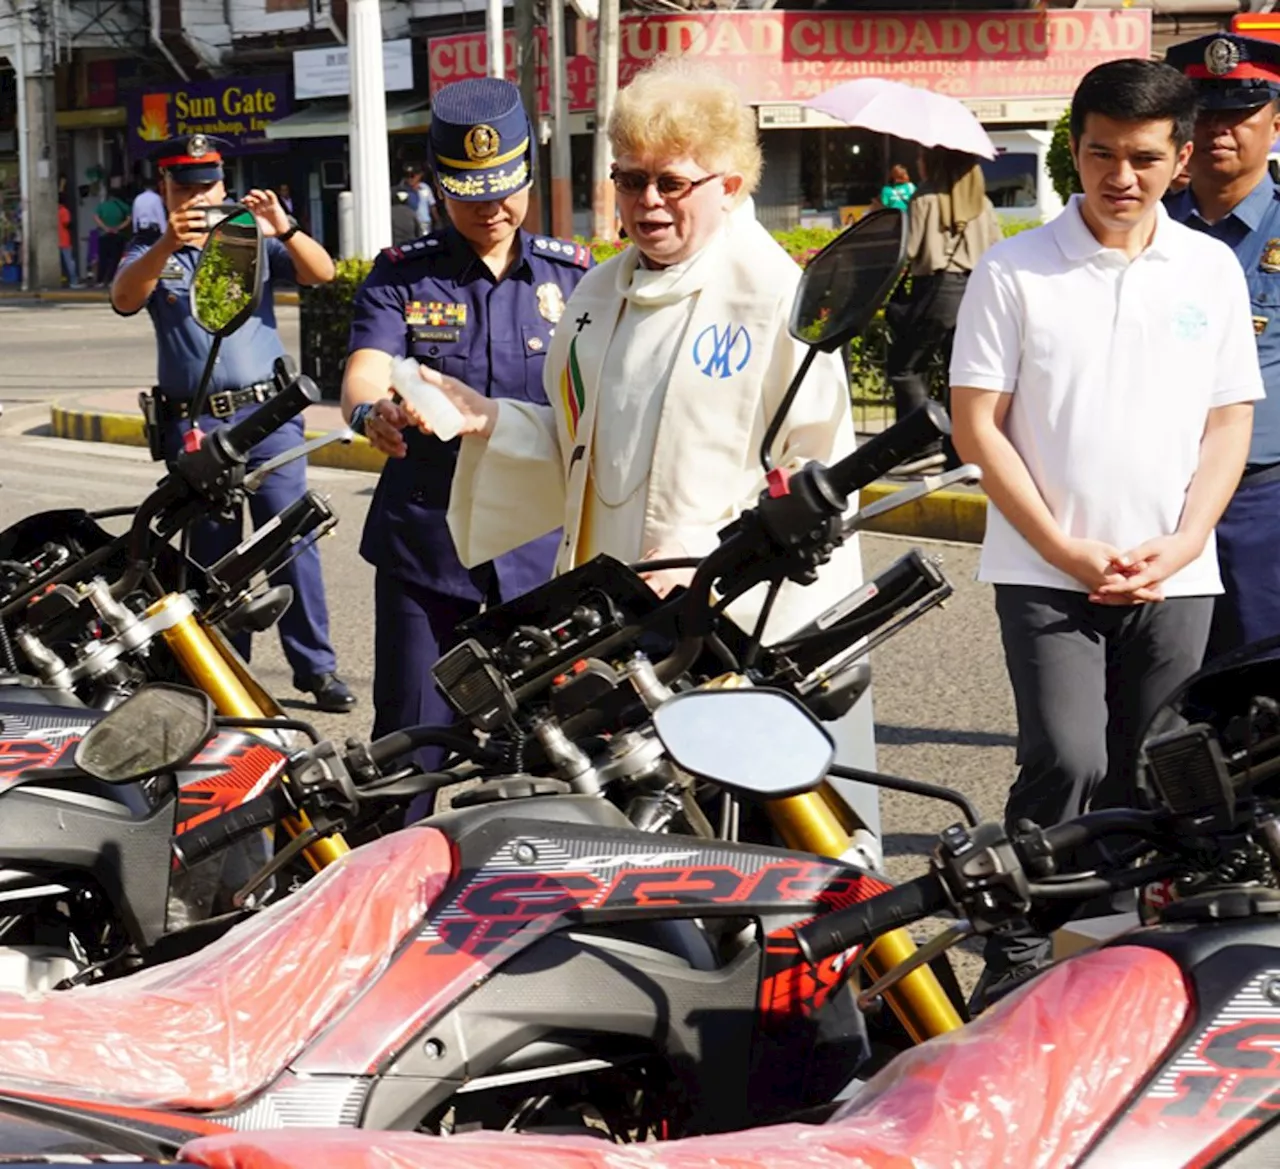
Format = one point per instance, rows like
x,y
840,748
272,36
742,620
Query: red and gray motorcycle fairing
x,y
509,949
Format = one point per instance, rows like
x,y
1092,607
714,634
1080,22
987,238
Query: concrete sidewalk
x,y
113,416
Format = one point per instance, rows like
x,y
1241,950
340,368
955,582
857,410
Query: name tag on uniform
x,y
428,333
172,270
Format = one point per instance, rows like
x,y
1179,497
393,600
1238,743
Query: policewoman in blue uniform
x,y
155,273
1232,197
478,300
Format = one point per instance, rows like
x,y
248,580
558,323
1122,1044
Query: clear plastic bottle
x,y
429,401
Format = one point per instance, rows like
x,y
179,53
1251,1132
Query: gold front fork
x,y
810,822
210,665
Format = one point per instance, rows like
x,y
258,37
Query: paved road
x,y
50,350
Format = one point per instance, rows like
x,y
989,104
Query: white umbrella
x,y
905,111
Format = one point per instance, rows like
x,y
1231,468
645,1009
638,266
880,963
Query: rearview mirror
x,y
157,729
844,285
760,742
227,283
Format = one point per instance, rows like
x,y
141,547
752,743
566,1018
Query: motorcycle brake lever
x,y
300,842
927,953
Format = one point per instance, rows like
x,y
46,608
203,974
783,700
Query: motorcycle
x,y
86,884
1154,1049
528,961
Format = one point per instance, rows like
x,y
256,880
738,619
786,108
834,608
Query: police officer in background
x,y
477,300
156,273
1232,197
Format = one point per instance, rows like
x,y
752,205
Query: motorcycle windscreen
x,y
206,1031
1031,1084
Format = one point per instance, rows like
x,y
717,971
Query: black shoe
x,y
331,693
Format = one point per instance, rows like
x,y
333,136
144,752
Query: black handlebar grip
x,y
223,831
879,455
837,932
273,414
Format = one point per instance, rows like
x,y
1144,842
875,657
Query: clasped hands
x,y
1135,577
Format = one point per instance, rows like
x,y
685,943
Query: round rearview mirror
x,y
845,284
228,277
155,730
760,742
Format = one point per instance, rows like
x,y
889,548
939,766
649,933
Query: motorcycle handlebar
x,y
273,414
879,455
859,924
223,831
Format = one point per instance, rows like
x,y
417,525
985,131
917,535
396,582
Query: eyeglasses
x,y
636,182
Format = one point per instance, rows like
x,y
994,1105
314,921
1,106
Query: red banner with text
x,y
793,56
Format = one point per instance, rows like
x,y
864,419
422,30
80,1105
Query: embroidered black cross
x,y
583,321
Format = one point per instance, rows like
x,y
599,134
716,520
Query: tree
x,y
1061,166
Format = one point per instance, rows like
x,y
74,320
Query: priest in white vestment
x,y
666,367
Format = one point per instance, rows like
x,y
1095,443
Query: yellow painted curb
x,y
944,515
126,430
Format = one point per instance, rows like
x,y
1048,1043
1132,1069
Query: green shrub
x,y
1059,163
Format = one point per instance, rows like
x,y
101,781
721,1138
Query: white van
x,y
1017,179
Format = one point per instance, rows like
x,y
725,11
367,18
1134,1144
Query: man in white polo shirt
x,y
1103,378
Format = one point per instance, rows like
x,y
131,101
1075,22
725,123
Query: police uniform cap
x,y
1231,72
481,141
191,158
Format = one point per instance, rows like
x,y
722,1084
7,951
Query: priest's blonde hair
x,y
677,107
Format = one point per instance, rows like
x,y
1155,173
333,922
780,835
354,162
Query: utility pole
x,y
602,207
561,163
41,224
370,171
526,64
494,41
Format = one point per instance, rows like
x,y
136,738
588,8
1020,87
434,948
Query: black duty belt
x,y
222,404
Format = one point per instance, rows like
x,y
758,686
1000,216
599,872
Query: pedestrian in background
x,y
1103,378
156,274
1233,198
66,244
952,224
897,192
148,212
112,218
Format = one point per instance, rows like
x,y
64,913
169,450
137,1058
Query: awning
x,y
105,117
331,119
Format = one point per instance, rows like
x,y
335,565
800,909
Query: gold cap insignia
x,y
1221,56
481,143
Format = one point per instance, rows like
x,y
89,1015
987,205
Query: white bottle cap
x,y
441,415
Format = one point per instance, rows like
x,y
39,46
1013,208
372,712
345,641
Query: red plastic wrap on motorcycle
x,y
1030,1083
205,1031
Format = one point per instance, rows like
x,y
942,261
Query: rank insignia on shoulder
x,y
411,250
566,251
438,314
1260,325
1270,261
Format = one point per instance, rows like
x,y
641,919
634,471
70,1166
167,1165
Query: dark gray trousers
x,y
1087,680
